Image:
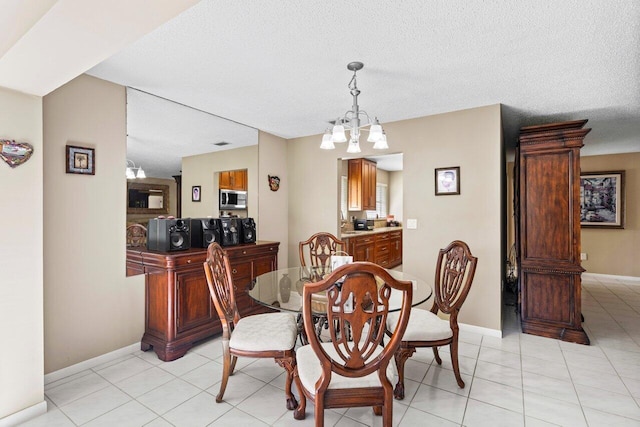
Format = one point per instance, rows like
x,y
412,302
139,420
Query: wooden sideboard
x,y
178,308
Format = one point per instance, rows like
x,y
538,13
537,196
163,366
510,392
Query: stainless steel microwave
x,y
233,199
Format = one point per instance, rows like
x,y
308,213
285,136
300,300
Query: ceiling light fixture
x,y
351,121
130,171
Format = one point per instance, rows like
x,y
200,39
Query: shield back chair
x,y
136,235
455,269
356,367
317,250
270,335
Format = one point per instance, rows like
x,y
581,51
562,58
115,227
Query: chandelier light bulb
x,y
141,174
381,144
130,173
375,132
338,134
327,141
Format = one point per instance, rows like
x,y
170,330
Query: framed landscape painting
x,y
602,199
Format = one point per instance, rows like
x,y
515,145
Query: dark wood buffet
x,y
178,308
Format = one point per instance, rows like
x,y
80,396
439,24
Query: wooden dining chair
x,y
269,335
355,368
317,250
136,235
455,269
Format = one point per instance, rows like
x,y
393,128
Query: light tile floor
x,y
514,381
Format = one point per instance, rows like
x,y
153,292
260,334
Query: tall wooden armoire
x,y
548,229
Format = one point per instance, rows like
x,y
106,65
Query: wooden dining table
x,y
282,290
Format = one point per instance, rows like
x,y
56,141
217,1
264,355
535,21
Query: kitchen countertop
x,y
348,234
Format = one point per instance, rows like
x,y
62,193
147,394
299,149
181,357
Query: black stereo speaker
x,y
247,230
205,231
230,231
168,234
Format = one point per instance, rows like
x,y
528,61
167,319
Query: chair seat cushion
x,y
262,332
309,370
423,326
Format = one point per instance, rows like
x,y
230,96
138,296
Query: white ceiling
x,y
280,65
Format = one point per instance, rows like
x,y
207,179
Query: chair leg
x,y
289,364
300,412
319,411
436,355
234,359
377,410
454,362
227,367
401,355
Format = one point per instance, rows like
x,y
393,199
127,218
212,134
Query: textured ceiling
x,y
280,66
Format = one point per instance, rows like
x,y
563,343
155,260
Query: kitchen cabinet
x,y
363,248
381,247
233,180
548,230
395,248
178,308
361,183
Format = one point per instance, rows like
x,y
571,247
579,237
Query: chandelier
x,y
352,121
130,171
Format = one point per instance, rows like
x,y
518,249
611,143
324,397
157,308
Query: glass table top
x,y
282,289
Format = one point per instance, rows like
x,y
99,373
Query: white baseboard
x,y
24,415
91,363
635,280
480,330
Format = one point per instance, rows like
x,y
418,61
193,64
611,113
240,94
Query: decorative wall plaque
x,y
15,153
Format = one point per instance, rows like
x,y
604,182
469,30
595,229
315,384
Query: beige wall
x,y
615,251
203,170
471,139
396,198
21,321
274,205
90,307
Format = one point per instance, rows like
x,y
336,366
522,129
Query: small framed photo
x,y
448,181
602,199
195,193
81,160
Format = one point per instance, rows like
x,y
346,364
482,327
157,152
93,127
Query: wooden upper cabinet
x,y
233,180
362,185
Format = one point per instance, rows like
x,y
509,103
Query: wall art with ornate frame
x,y
602,199
81,160
447,181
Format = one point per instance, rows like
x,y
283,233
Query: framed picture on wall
x,y
602,199
195,193
447,181
80,160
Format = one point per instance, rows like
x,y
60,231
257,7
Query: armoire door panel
x,y
548,297
547,191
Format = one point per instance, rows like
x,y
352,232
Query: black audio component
x,y
168,234
205,231
247,230
230,231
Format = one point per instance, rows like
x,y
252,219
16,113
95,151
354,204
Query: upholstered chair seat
x,y
264,332
423,326
310,370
